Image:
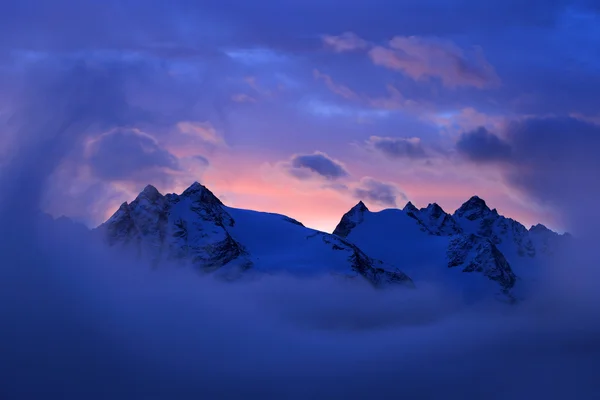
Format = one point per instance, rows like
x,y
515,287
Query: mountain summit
x,y
197,229
475,240
475,249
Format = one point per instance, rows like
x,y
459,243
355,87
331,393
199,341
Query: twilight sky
x,y
304,107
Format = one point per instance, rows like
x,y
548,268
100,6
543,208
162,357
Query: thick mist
x,y
80,322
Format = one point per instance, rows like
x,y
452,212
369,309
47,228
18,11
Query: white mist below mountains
x,y
475,250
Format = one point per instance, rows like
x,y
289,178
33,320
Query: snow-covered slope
x,y
197,228
469,250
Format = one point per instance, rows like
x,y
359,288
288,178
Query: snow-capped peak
x,y
195,228
352,218
410,207
473,209
539,228
433,219
201,193
359,207
150,193
435,210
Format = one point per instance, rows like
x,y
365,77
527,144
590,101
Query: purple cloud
x,y
347,41
318,163
481,145
372,190
554,160
398,147
129,155
422,58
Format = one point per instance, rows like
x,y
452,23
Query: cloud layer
x,y
551,159
112,327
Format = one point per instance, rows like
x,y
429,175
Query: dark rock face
x,y
218,254
434,220
501,230
480,238
196,228
478,254
191,228
474,208
370,269
352,218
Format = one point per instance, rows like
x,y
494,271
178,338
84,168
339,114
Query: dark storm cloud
x,y
381,193
398,147
124,154
319,163
54,116
481,145
554,160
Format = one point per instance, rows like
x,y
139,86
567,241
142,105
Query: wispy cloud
x,y
243,98
347,41
336,88
380,193
423,58
202,130
398,147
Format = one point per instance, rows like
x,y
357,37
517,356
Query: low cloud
x,y
111,327
303,166
381,193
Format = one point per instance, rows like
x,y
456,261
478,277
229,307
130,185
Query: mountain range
x,y
474,250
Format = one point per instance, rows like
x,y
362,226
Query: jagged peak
x,y
121,212
541,229
150,193
410,207
150,190
360,206
435,208
202,192
474,203
352,218
193,188
476,200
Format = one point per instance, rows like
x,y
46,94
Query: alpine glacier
x,y
475,250
498,254
197,228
